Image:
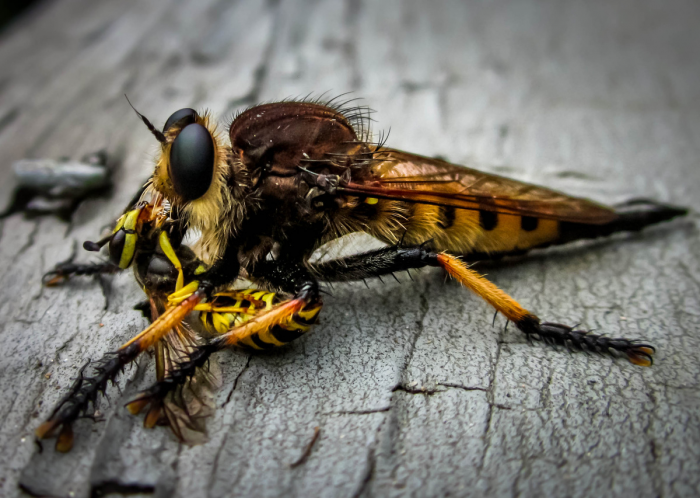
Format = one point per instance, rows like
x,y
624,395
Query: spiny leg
x,y
86,390
395,259
254,332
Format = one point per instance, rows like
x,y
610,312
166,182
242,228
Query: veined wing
x,y
404,176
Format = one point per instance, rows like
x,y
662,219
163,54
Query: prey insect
x,y
290,178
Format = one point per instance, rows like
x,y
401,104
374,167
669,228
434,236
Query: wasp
x,y
290,178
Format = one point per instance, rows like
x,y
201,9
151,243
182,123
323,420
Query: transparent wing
x,y
399,175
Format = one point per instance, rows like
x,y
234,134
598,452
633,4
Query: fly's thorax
x,y
213,186
279,138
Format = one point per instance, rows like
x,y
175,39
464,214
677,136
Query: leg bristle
x,y
558,334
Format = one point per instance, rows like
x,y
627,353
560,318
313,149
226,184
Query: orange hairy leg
x,y
262,322
164,324
483,287
395,259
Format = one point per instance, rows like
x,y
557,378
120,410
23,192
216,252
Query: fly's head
x,y
193,172
192,157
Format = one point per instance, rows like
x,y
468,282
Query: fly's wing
x,y
398,175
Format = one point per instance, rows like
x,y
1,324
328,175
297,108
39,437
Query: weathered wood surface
x,y
597,98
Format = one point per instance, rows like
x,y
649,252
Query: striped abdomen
x,y
466,231
460,231
233,308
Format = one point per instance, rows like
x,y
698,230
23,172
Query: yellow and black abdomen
x,y
459,231
419,200
231,309
469,231
493,233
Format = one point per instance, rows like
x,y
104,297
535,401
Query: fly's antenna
x,y
156,133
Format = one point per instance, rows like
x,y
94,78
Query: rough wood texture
x,y
597,98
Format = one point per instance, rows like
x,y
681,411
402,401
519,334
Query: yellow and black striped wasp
x,y
292,177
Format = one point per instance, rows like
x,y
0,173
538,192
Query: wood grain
x,y
414,391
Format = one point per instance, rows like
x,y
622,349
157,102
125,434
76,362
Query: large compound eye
x,y
122,248
186,115
192,162
116,247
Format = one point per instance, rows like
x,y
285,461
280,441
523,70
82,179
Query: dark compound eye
x,y
192,162
186,115
116,247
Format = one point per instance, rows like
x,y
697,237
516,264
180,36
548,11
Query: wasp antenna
x,y
156,133
89,245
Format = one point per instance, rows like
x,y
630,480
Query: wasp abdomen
x,y
233,308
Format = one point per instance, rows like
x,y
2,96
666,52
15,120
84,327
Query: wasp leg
x,y
395,259
271,325
63,271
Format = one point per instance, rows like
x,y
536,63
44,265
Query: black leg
x,y
63,271
394,259
83,395
286,276
374,264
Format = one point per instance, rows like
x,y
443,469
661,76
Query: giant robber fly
x,y
292,177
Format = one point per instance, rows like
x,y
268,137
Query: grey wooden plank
x,y
414,390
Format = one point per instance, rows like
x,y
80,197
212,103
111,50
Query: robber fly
x,y
292,177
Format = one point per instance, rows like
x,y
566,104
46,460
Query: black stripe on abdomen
x,y
488,220
529,223
447,216
260,343
285,335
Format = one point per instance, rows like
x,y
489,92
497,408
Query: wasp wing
x,y
399,175
186,408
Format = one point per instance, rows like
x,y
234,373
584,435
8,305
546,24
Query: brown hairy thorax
x,y
278,139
